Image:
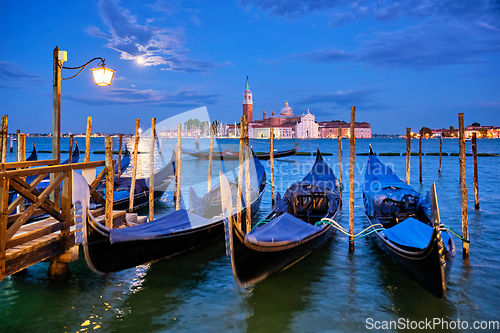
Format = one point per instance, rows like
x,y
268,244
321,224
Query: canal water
x,y
331,290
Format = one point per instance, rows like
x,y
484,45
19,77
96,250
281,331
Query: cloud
x,y
185,97
11,73
157,46
325,56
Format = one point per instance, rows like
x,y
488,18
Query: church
x,y
285,125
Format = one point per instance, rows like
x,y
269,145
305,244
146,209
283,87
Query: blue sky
x,y
402,64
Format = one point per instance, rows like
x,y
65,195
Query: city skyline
x,y
401,65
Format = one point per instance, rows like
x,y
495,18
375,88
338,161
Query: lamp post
x,y
102,77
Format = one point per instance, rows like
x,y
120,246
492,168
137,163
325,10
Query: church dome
x,y
286,111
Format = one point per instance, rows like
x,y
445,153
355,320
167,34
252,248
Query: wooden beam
x,y
19,199
420,156
248,198
210,159
3,139
408,154
27,164
475,179
341,185
120,140
239,221
271,159
50,169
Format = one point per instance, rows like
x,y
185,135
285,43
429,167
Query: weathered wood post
x,y
474,157
420,156
440,153
178,165
340,165
4,218
110,181
351,180
71,139
463,186
134,169
87,139
120,141
18,132
210,159
248,198
240,178
3,143
152,171
408,154
12,143
271,159
21,152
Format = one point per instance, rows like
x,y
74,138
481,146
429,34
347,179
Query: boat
x,y
34,154
111,250
75,157
122,185
228,155
407,227
293,230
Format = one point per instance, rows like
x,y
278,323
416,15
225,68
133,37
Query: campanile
x,y
248,103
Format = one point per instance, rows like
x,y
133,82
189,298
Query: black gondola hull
x,y
235,156
106,257
429,267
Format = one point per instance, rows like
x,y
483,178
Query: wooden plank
x,y
27,213
37,233
27,164
51,169
37,212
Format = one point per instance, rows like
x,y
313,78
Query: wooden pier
x,y
54,237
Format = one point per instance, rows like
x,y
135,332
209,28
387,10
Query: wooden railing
x,y
49,201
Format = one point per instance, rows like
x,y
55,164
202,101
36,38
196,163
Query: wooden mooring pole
x,y
271,159
12,143
248,198
240,177
120,141
178,165
3,143
87,139
71,140
110,181
463,186
420,156
351,180
152,171
18,132
440,154
474,157
341,185
408,154
134,169
210,159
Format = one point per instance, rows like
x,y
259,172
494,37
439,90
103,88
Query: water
x,y
332,290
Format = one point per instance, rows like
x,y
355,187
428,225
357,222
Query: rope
x,y
264,221
359,235
268,182
446,228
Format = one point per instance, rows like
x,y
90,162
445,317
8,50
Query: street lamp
x,y
102,77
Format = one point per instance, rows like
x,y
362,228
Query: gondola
x,y
110,250
235,155
75,157
292,231
34,154
407,227
125,162
121,195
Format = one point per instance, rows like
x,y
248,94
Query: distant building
x,y
290,125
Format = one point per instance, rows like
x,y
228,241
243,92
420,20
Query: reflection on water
x,y
331,290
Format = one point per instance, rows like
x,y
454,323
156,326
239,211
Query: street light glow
x,y
102,75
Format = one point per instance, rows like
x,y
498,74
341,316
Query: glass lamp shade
x,y
102,75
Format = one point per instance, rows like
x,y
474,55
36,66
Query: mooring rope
x,y
264,221
446,228
357,236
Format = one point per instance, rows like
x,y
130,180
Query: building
x,y
290,125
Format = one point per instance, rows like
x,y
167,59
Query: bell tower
x,y
248,103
